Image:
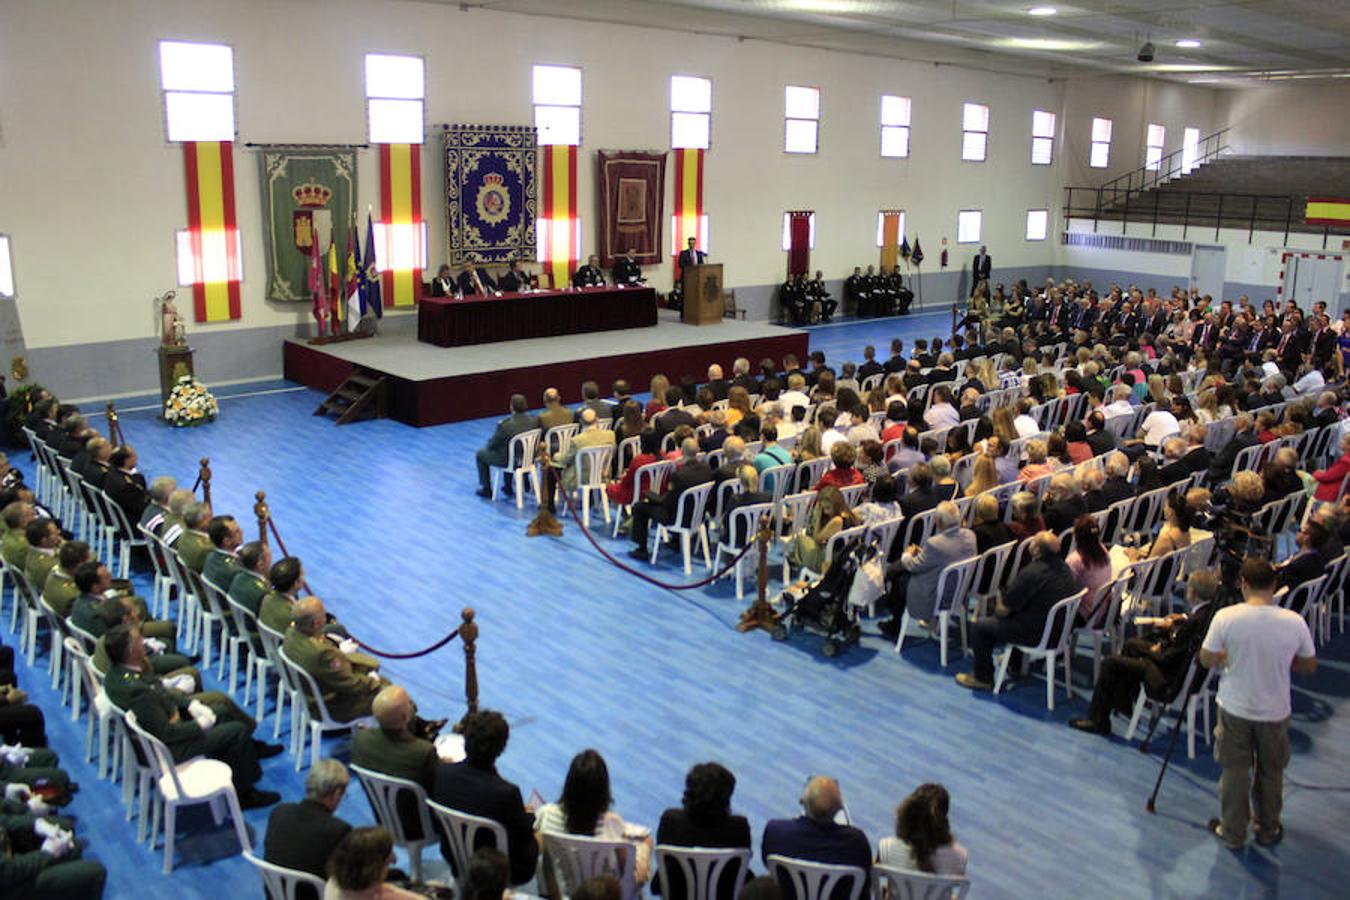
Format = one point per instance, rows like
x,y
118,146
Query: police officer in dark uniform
x,y
589,275
627,271
792,296
820,297
855,292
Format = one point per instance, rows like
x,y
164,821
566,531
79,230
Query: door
x,y
1308,279
1207,269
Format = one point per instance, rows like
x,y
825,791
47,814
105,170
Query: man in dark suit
x,y
1244,436
692,256
302,836
815,836
704,820
691,472
187,727
125,485
1098,438
674,416
855,291
1309,562
443,285
1158,661
1290,346
515,279
1322,342
627,271
1019,617
495,453
476,281
981,266
717,383
870,365
474,787
590,399
921,495
589,275
1116,488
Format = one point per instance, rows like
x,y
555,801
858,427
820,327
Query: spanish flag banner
x,y
1327,211
688,196
890,238
401,214
559,236
209,166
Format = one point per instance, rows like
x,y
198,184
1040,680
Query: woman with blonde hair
x,y
1002,420
657,403
1208,410
808,444
984,475
1157,391
829,516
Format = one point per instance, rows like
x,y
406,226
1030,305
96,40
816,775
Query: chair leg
x,y
1190,727
415,863
1002,671
237,817
686,539
518,482
943,618
1138,713
904,629
1050,667
170,809
315,740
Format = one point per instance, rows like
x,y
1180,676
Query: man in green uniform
x,y
157,503
97,608
278,606
392,749
14,545
44,537
250,585
222,561
40,864
347,694
188,727
194,543
173,526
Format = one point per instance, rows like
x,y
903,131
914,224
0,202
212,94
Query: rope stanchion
x,y
735,560
204,480
114,425
385,654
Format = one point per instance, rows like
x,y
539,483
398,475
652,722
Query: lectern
x,y
702,294
175,361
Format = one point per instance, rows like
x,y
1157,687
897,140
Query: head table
x,y
447,322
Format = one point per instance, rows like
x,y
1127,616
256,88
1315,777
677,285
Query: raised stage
x,y
433,385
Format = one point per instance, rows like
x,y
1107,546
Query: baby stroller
x,y
823,607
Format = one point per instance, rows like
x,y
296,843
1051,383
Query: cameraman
x,y
1256,643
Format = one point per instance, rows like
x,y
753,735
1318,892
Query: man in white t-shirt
x,y
1158,426
1024,424
1120,404
1255,643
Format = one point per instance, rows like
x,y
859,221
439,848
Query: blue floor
x,y
578,654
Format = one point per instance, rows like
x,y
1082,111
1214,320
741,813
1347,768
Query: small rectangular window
x,y
1153,147
198,86
1100,156
556,93
1190,150
801,133
810,233
6,269
690,112
703,244
395,98
895,113
968,225
1038,224
881,227
1042,137
974,132
213,263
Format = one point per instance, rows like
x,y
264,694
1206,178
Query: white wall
x,y
1288,120
92,193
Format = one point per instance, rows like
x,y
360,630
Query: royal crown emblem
x,y
311,196
494,200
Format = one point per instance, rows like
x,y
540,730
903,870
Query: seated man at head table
x,y
516,278
589,275
347,693
626,269
476,281
443,285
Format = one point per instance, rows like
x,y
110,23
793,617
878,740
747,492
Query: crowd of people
x,y
959,428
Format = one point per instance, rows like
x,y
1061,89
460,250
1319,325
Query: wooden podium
x,y
702,294
175,361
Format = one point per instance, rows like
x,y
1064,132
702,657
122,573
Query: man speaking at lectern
x,y
693,256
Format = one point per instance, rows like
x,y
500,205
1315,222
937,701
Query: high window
x,y
1100,157
1038,224
1153,147
974,132
198,85
1042,137
395,99
969,222
690,112
894,126
801,132
557,104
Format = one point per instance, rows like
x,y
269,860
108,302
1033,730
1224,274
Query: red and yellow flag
x,y
559,232
688,196
1327,211
401,213
890,238
209,166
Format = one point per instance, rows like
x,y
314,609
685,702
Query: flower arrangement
x,y
190,403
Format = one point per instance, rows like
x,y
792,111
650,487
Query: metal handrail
x,y
1169,166
1234,209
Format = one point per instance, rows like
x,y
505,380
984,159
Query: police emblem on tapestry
x,y
490,193
308,194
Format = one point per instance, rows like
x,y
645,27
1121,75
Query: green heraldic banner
x,y
308,193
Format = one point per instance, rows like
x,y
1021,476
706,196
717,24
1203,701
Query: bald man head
x,y
309,615
392,708
821,800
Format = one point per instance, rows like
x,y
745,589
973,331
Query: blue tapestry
x,y
490,193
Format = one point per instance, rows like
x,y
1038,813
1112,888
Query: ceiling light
x,y
1188,43
1042,11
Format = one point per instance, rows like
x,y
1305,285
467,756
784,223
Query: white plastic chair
x,y
953,591
384,791
809,472
1103,629
1051,648
816,881
281,883
461,831
317,716
287,686
742,527
591,467
688,524
701,870
257,664
651,477
199,780
559,438
1197,701
520,453
896,883
988,578
579,858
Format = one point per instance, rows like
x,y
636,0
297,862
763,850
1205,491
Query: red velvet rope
x,y
571,507
432,649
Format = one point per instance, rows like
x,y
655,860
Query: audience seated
x,y
496,451
815,835
923,837
359,867
303,836
194,543
913,578
222,560
690,472
474,786
704,819
392,749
